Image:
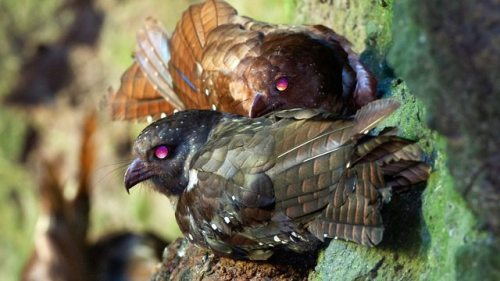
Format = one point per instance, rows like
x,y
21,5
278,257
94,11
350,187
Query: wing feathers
x,y
215,13
355,221
353,213
188,42
304,141
374,112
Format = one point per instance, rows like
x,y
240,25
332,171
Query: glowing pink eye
x,y
282,84
161,152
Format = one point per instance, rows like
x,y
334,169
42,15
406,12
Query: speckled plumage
x,y
246,187
217,59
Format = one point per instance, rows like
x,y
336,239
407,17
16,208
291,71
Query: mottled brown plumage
x,y
219,60
246,187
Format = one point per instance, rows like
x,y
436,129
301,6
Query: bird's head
x,y
297,70
164,148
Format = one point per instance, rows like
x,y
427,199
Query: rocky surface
x,y
184,261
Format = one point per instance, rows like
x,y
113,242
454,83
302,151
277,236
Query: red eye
x,y
281,84
161,152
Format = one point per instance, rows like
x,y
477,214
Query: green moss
x,y
448,223
275,11
448,220
478,261
431,234
364,23
457,87
425,232
409,47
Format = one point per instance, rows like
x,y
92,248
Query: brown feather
x,y
371,114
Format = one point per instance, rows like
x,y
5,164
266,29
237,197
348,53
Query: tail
x,y
165,75
400,160
377,166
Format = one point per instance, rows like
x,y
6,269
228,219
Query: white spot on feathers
x,y
193,179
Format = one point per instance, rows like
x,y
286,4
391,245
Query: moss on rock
x,y
432,234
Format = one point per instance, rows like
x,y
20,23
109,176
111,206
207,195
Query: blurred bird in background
x,y
219,60
62,249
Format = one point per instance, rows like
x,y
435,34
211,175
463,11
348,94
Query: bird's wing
x,y
228,214
229,51
292,168
237,148
353,210
311,156
254,164
373,113
314,176
187,48
234,197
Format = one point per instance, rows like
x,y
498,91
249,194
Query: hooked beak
x,y
259,106
136,172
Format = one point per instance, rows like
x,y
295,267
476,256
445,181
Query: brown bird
x,y
219,60
246,187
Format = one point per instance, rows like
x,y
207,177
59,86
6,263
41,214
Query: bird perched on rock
x,y
219,60
246,187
